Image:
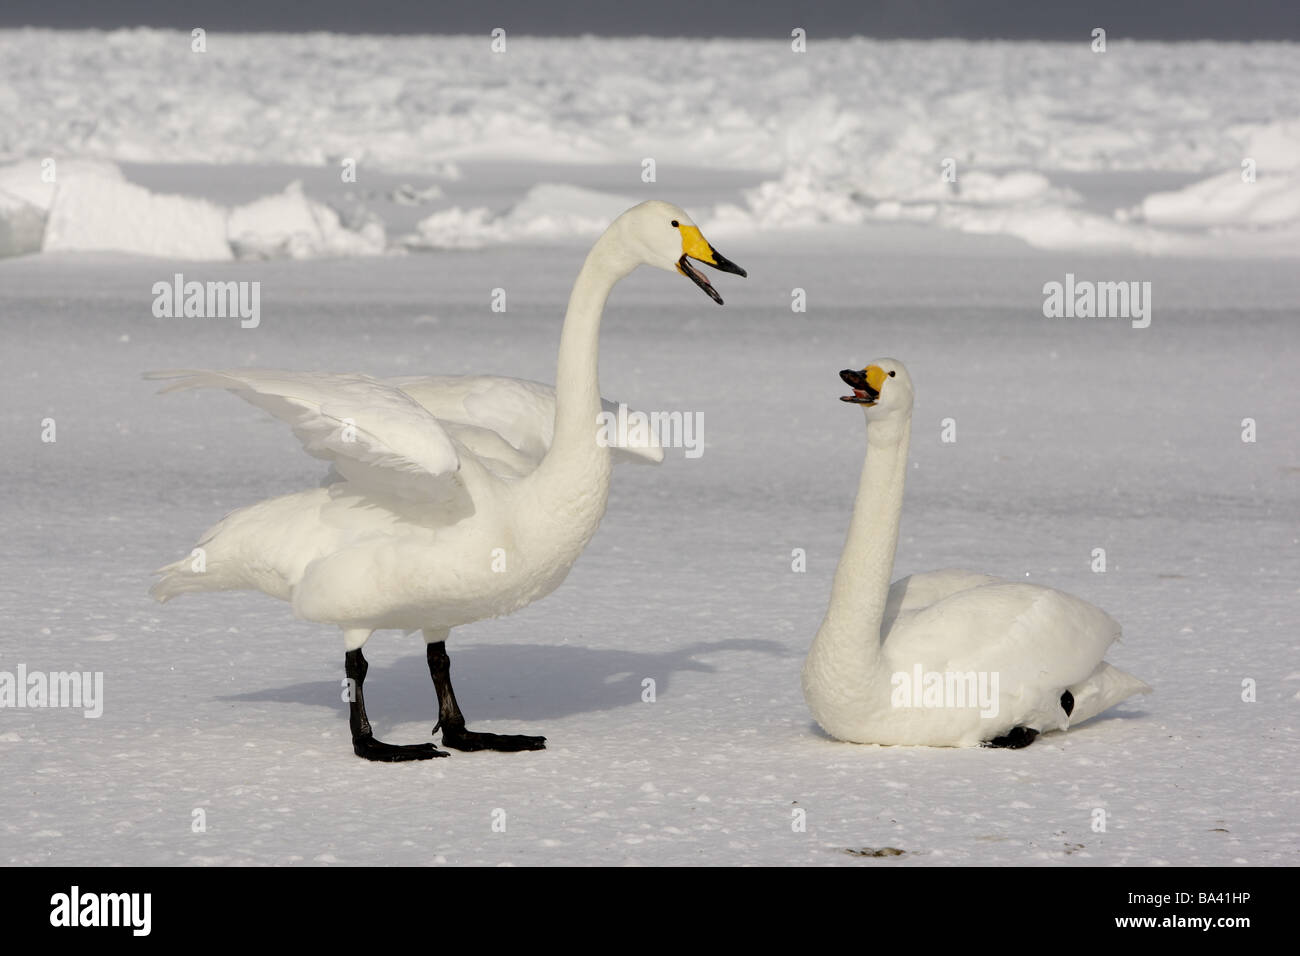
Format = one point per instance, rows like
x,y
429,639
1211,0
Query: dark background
x,y
977,19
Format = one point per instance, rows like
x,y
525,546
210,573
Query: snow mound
x,y
903,181
22,226
292,225
1227,200
27,191
1265,192
548,211
89,206
95,213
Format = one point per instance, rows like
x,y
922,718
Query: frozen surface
x,y
850,132
1072,435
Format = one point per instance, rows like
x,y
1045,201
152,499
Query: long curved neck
x,y
575,470
849,638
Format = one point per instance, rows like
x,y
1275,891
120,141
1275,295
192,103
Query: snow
x,y
292,224
1226,199
1072,435
853,131
818,173
27,191
548,211
91,213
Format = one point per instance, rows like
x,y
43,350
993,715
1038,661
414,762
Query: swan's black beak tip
x,y
695,275
723,264
863,393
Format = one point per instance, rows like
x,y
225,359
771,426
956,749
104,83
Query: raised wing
x,y
375,435
495,408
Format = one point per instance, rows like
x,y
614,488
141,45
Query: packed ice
x,y
976,137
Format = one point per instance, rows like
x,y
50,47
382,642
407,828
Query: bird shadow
x,y
515,681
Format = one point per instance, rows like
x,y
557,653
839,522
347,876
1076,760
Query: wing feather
x,y
374,434
518,411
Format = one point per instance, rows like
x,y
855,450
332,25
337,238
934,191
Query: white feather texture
x,y
457,498
1027,643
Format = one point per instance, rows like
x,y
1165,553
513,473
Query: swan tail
x,y
187,576
197,571
177,578
221,560
1105,687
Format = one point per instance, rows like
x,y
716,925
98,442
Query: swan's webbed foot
x,y
1014,739
372,749
452,722
364,743
458,738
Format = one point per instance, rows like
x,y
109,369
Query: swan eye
x,y
891,374
676,223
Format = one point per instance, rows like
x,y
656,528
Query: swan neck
x,y
850,632
577,373
575,470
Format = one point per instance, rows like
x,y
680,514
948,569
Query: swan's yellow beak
x,y
695,246
866,384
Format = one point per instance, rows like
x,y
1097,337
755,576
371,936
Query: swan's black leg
x,y
452,721
1067,703
1015,738
364,743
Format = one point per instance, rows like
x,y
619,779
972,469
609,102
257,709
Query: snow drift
x,y
89,206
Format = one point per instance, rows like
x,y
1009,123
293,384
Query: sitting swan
x,y
947,658
457,499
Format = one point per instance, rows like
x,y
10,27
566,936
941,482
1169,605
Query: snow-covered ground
x,y
1072,435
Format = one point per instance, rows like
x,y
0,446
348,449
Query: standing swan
x,y
947,658
449,506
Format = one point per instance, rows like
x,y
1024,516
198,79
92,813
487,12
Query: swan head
x,y
883,388
657,233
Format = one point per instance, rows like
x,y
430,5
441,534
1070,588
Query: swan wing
x,y
1038,640
375,435
517,411
917,591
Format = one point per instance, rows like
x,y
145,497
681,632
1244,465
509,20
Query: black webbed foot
x,y
458,738
372,749
452,722
1014,739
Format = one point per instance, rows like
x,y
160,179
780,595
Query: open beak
x,y
695,246
865,384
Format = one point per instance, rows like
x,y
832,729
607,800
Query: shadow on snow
x,y
513,681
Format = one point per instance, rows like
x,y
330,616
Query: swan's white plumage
x,y
373,434
407,439
407,435
519,411
460,497
1040,642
